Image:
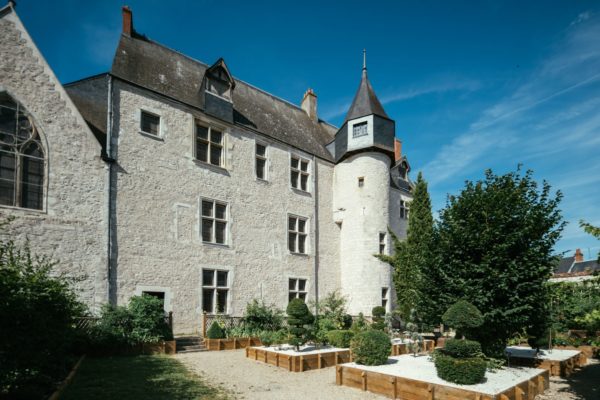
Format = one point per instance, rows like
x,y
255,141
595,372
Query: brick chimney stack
x,y
127,21
309,104
397,150
578,255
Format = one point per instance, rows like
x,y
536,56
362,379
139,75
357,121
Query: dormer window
x,y
218,80
219,87
360,129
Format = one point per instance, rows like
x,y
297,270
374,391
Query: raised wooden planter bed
x,y
588,351
404,378
299,361
231,343
558,362
399,349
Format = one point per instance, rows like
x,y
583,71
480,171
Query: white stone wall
x,y
72,227
159,187
364,213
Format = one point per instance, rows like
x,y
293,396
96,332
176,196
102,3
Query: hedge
x,y
462,348
371,347
464,371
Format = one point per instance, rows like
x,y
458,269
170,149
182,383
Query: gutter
x,y
110,161
316,225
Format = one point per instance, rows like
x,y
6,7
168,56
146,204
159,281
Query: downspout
x,y
316,224
109,160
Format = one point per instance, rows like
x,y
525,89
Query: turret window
x,y
150,123
261,161
360,129
21,157
384,297
382,242
404,209
299,173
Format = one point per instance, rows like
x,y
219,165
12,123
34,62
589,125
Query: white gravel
x,y
304,350
553,355
421,368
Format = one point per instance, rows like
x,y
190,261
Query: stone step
x,y
187,350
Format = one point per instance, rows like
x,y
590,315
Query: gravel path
x,y
254,380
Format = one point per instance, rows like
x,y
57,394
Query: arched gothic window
x,y
21,157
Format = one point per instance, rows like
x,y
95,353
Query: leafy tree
x,y
495,244
298,317
413,258
260,316
592,230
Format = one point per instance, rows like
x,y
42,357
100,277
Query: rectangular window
x,y
299,173
297,234
150,123
297,289
214,222
404,209
361,181
215,291
261,161
382,240
384,297
359,130
209,145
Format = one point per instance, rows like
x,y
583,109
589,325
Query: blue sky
x,y
471,85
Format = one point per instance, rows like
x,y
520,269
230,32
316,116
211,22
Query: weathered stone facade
x,y
157,185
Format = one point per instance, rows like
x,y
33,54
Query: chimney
x,y
127,21
578,255
309,104
397,150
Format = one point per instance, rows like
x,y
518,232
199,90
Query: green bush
x,y
590,321
462,348
323,326
261,317
267,338
464,371
462,316
346,321
360,324
371,348
215,331
378,318
148,320
298,317
340,339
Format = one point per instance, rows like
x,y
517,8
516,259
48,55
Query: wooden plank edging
x,y
61,388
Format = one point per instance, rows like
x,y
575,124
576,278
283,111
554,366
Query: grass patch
x,y
138,377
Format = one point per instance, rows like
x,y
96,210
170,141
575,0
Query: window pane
x,y
304,182
292,223
292,284
295,163
207,227
384,293
150,123
7,178
208,276
260,168
31,196
220,232
202,151
207,208
207,300
301,225
301,285
295,179
216,136
304,166
222,278
7,192
215,155
384,303
261,150
292,242
201,132
302,296
33,170
221,211
8,121
291,296
222,301
302,244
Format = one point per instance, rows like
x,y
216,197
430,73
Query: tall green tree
x,y
495,242
592,230
412,259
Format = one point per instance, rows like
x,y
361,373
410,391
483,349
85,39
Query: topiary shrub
x,y
346,321
378,318
464,371
215,331
340,339
462,348
298,316
370,348
360,324
463,316
267,338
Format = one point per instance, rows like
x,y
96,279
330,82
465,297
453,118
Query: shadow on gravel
x,y
585,383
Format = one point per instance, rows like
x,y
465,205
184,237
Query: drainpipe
x,y
109,160
316,225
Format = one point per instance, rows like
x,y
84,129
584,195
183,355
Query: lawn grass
x,y
138,377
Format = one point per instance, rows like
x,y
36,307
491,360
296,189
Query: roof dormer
x,y
218,88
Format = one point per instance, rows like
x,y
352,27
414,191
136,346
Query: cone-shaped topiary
x,y
298,316
378,318
462,316
215,331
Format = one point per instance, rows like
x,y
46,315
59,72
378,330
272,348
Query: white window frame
x,y
382,243
296,291
298,233
364,132
154,113
214,219
308,172
385,299
265,178
210,126
215,289
404,209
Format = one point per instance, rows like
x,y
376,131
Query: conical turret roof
x,y
365,101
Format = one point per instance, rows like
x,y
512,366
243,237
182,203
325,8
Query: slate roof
x,y
564,265
155,67
365,101
567,265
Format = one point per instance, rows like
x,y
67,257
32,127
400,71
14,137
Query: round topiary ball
x,y
464,371
370,348
462,348
462,316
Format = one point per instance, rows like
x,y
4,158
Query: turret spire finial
x,y
364,59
